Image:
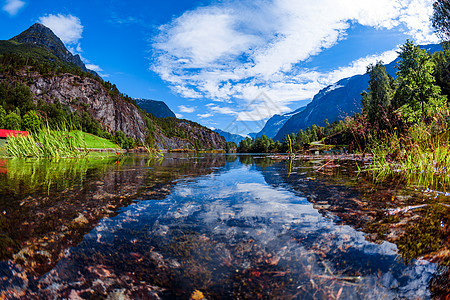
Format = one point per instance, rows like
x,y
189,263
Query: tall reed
x,y
47,143
418,157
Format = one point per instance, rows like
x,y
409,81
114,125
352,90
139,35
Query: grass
x,y
95,142
417,157
61,143
47,143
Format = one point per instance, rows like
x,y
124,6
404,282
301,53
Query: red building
x,y
4,133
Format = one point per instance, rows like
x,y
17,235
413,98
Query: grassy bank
x,y
94,142
62,143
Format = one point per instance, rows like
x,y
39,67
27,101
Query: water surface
x,y
236,227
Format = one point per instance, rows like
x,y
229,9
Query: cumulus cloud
x,y
186,109
234,50
67,27
12,7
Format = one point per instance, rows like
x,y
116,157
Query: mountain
x,y
157,108
276,122
336,101
44,37
49,79
230,137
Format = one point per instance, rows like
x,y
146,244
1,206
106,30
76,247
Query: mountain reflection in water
x,y
191,226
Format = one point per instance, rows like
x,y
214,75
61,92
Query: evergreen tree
x,y
377,101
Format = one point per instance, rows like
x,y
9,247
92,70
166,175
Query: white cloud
x,y
94,67
67,27
186,109
179,116
12,7
234,50
223,110
204,116
417,19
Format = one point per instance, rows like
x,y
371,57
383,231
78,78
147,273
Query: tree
x,y
261,144
441,18
442,68
231,147
377,101
22,97
417,96
245,145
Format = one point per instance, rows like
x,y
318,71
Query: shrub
x,y
31,121
12,121
2,117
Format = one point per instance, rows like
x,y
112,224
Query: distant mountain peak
x,y
44,37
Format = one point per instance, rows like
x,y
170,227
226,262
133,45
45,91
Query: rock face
x,y
87,94
157,108
42,36
208,140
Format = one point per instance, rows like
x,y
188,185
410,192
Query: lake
x,y
217,226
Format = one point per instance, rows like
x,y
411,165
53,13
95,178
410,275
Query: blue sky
x,y
227,64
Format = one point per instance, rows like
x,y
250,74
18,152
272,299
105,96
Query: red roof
x,y
7,133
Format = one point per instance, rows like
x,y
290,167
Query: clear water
x,y
232,227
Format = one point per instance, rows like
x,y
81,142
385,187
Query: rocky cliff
x,y
87,94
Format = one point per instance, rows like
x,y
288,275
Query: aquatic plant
x,y
47,143
154,152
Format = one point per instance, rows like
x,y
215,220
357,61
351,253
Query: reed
x,y
418,157
154,152
47,143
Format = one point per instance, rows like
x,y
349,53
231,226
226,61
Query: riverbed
x,y
217,226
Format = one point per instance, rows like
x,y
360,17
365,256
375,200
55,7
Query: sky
x,y
227,64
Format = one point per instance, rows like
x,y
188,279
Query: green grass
x,y
93,141
60,143
419,158
47,143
